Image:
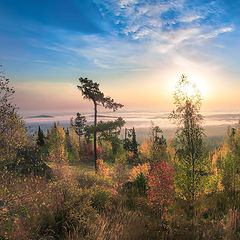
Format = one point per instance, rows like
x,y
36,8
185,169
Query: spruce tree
x,y
134,144
41,137
130,143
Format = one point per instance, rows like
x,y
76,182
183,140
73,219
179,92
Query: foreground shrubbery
x,y
78,204
73,205
34,207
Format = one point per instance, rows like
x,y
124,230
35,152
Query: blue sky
x,y
136,49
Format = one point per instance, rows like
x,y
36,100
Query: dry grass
x,y
80,204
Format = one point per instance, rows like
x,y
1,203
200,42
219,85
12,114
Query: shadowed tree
x,y
190,164
90,90
130,143
134,143
41,137
127,143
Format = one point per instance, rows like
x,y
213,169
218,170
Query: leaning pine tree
x,y
90,90
190,163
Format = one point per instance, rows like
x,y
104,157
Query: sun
x,y
199,83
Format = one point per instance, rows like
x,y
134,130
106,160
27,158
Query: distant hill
x,y
41,116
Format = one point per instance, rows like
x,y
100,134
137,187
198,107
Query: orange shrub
x,y
102,167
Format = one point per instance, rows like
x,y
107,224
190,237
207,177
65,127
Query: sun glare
x,y
199,84
191,90
195,79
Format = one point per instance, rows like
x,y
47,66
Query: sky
x,y
136,49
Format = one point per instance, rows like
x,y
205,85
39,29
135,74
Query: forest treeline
x,y
85,182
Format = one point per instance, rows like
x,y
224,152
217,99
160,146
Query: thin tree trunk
x,y
193,169
234,191
193,198
190,136
79,142
95,135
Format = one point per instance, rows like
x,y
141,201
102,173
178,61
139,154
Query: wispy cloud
x,y
106,52
167,22
216,32
100,64
40,61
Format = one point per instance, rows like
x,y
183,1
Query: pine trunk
x,y
95,136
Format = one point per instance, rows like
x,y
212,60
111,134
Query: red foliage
x,y
99,152
160,185
89,150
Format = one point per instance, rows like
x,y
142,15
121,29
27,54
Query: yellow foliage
x,y
144,168
56,144
170,151
145,148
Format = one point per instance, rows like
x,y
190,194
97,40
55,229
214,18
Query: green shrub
x,y
141,183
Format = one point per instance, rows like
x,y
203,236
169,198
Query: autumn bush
x,y
160,185
103,168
